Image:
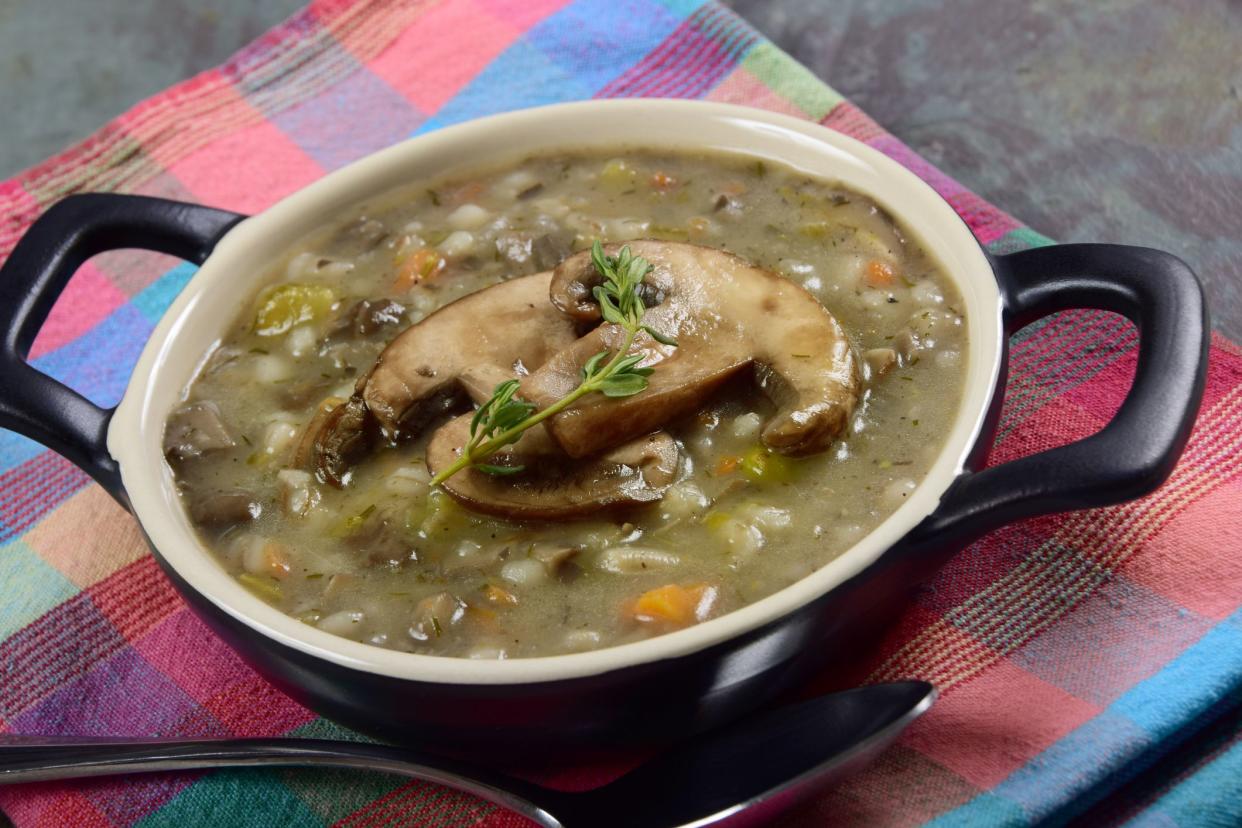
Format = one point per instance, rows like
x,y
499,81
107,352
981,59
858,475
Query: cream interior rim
x,y
194,321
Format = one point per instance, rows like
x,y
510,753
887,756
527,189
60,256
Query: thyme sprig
x,y
503,418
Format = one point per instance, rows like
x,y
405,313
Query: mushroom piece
x,y
465,348
338,434
553,486
726,316
195,429
879,361
224,510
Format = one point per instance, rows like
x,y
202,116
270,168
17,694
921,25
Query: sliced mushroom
x,y
465,348
553,486
726,315
338,434
471,344
195,429
554,556
923,331
226,509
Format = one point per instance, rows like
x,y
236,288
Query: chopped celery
x,y
617,175
761,465
287,305
352,524
262,586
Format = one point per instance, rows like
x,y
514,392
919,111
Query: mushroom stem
x,y
474,452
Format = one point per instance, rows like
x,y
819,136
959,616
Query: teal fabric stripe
x,y
1208,798
1191,684
251,796
1104,751
1020,238
157,296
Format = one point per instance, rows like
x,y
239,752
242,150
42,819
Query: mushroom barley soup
x,y
777,367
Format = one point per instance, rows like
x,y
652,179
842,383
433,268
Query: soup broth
x,y
389,560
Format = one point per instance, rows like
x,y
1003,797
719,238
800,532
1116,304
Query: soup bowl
x,y
670,684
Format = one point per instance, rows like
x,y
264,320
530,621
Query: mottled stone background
x,y
1095,120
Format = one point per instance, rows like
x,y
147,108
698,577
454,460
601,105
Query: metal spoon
x,y
743,774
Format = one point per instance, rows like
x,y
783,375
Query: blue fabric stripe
x,y
568,56
132,322
1113,743
98,363
16,449
1152,819
157,296
1210,797
1076,765
1190,684
599,41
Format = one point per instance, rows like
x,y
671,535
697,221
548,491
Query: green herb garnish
x,y
503,419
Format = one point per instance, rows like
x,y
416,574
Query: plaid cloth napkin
x,y
1088,662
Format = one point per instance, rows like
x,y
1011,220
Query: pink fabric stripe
x,y
903,155
86,302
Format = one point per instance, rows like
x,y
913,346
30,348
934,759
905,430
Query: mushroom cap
x,y
462,350
554,486
469,345
726,316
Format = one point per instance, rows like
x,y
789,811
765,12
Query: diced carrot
x,y
424,264
673,605
878,274
662,181
498,595
726,465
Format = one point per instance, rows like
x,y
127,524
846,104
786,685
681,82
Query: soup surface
x,y
381,556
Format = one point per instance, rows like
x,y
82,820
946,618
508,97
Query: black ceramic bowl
x,y
674,683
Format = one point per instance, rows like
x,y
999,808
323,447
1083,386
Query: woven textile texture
x,y
1087,662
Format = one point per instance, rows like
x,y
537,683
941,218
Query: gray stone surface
x,y
69,66
1109,120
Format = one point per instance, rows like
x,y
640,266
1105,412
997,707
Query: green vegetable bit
x,y
266,588
764,466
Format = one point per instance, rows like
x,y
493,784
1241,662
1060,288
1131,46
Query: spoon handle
x,y
40,759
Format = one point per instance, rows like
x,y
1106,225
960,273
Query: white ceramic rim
x,y
211,299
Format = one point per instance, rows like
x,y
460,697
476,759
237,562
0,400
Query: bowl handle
x,y
1137,450
41,264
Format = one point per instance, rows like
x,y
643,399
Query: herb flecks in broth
x,y
463,278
